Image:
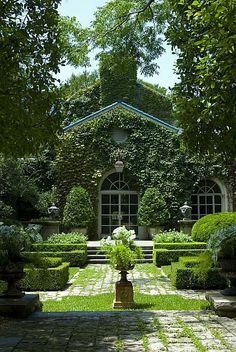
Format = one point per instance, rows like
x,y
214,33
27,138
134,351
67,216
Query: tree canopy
x,y
204,34
29,57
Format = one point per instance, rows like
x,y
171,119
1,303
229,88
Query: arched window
x,y
206,199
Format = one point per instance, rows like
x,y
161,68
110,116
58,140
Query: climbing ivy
x,y
152,155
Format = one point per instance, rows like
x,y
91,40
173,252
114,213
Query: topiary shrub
x,y
153,209
207,225
78,211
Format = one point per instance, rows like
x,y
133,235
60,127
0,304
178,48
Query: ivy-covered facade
x,y
152,156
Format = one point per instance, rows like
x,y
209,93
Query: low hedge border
x,y
166,257
51,247
178,245
184,278
74,258
45,279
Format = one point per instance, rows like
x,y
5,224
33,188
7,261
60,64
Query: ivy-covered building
x,y
123,133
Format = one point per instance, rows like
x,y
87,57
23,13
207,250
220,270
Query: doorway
x,y
118,204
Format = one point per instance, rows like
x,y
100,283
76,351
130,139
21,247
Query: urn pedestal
x,y
124,295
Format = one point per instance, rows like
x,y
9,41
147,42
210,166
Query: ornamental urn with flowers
x,y
122,254
14,240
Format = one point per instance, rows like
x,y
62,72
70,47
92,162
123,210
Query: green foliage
x,y
207,225
118,76
45,279
45,200
50,247
153,158
30,56
185,278
180,245
74,44
35,259
78,211
14,240
165,257
203,33
71,89
73,257
67,238
172,236
222,243
153,210
6,211
121,250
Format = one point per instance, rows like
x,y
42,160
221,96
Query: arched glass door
x,y
119,205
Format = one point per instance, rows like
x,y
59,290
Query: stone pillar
x,y
186,225
124,295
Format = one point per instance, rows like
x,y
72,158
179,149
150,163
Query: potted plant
x,y
222,245
14,240
78,212
123,254
153,212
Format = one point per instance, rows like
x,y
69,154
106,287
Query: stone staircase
x,y
94,255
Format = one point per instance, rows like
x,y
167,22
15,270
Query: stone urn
x,y
12,273
124,295
228,270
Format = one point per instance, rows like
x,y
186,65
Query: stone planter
x,y
11,274
124,295
82,230
48,227
228,270
154,230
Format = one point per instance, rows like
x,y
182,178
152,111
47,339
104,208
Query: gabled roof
x,y
126,107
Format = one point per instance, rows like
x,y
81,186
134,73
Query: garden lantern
x,y
119,166
53,210
186,211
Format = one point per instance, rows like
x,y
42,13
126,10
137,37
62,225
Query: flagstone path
x,y
119,331
105,277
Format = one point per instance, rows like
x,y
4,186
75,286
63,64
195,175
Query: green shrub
x,y
172,236
75,258
78,211
184,278
207,225
39,261
50,247
166,257
189,262
153,209
67,238
45,279
188,245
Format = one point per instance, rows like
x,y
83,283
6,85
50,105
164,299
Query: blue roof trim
x,y
126,106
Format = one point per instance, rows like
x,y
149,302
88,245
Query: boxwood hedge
x,y
45,279
165,257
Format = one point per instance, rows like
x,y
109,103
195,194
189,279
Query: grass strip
x,y
103,302
188,332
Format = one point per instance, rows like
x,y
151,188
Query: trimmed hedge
x,y
189,262
166,257
36,259
42,279
184,278
209,224
51,247
74,258
178,245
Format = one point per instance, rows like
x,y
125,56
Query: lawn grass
x,y
103,302
73,271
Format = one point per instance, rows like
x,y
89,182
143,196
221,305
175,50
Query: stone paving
x,y
105,277
131,331
136,331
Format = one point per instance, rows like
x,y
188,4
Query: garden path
x,y
100,278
